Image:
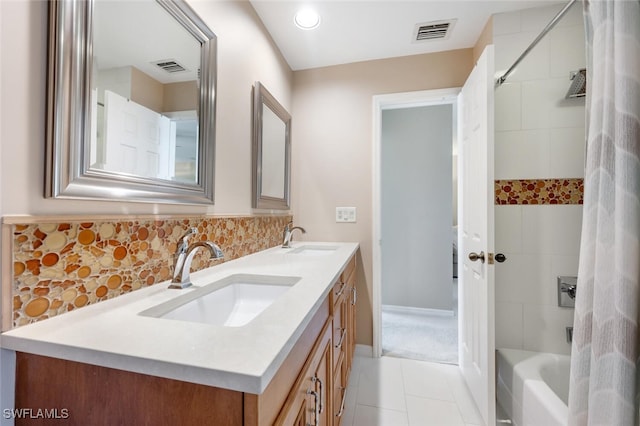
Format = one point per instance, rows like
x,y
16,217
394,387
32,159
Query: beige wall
x,y
180,96
146,91
485,38
246,53
332,146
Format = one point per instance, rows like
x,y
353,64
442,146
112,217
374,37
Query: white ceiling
x,y
353,31
121,38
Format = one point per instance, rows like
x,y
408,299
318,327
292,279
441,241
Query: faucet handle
x,y
183,243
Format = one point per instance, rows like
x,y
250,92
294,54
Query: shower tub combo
x,y
533,387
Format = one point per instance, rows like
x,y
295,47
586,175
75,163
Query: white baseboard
x,y
364,351
417,311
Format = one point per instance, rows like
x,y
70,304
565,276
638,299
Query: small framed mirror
x,y
271,151
131,102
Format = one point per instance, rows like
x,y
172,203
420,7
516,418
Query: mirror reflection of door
x,y
143,76
273,154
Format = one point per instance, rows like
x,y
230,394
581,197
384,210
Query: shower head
x,y
578,87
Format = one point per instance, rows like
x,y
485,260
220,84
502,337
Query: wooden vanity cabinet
x,y
265,409
339,314
323,381
351,297
310,382
344,335
309,402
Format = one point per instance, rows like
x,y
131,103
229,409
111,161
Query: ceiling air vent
x,y
437,30
170,66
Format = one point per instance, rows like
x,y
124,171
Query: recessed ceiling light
x,y
307,19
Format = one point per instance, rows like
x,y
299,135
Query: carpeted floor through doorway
x,y
419,335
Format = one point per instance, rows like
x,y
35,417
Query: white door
x,y
476,231
136,138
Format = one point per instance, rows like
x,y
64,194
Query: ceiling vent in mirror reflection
x,y
436,30
170,65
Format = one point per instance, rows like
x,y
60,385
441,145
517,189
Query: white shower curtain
x,y
604,365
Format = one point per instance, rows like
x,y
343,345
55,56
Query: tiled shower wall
x,y
61,265
539,138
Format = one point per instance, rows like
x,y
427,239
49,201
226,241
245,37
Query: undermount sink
x,y
314,250
233,301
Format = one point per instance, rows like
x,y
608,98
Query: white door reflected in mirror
x,y
144,75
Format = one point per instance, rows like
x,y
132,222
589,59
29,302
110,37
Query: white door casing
x,y
381,102
476,235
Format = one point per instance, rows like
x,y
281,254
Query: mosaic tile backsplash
x,y
539,191
62,266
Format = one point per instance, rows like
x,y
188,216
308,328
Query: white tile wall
x,y
536,19
568,146
544,105
506,23
539,135
534,66
533,96
508,103
518,280
544,328
551,229
508,233
541,243
522,154
566,50
509,325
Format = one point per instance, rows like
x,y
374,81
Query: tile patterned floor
x,y
391,391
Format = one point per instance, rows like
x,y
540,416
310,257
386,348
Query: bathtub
x,y
533,387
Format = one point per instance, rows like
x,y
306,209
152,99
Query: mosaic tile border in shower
x,y
539,191
64,264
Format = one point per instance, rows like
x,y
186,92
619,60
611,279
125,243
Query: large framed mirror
x,y
271,151
131,102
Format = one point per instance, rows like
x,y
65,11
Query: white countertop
x,y
112,334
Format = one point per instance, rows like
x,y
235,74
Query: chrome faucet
x,y
184,256
286,235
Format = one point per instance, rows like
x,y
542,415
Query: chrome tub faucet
x,y
184,257
286,235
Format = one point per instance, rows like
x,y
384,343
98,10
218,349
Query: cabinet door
x,y
310,402
340,332
351,296
301,417
323,383
339,392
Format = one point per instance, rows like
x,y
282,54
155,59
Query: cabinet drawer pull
x,y
344,333
316,379
344,397
315,407
354,292
342,287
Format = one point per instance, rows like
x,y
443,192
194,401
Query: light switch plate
x,y
345,214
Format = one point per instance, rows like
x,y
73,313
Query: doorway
x,y
415,213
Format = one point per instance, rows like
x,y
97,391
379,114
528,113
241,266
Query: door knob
x,y
500,257
475,256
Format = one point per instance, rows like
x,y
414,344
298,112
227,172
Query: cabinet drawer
x,y
339,292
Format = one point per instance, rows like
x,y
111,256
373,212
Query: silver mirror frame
x,y
70,63
262,98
